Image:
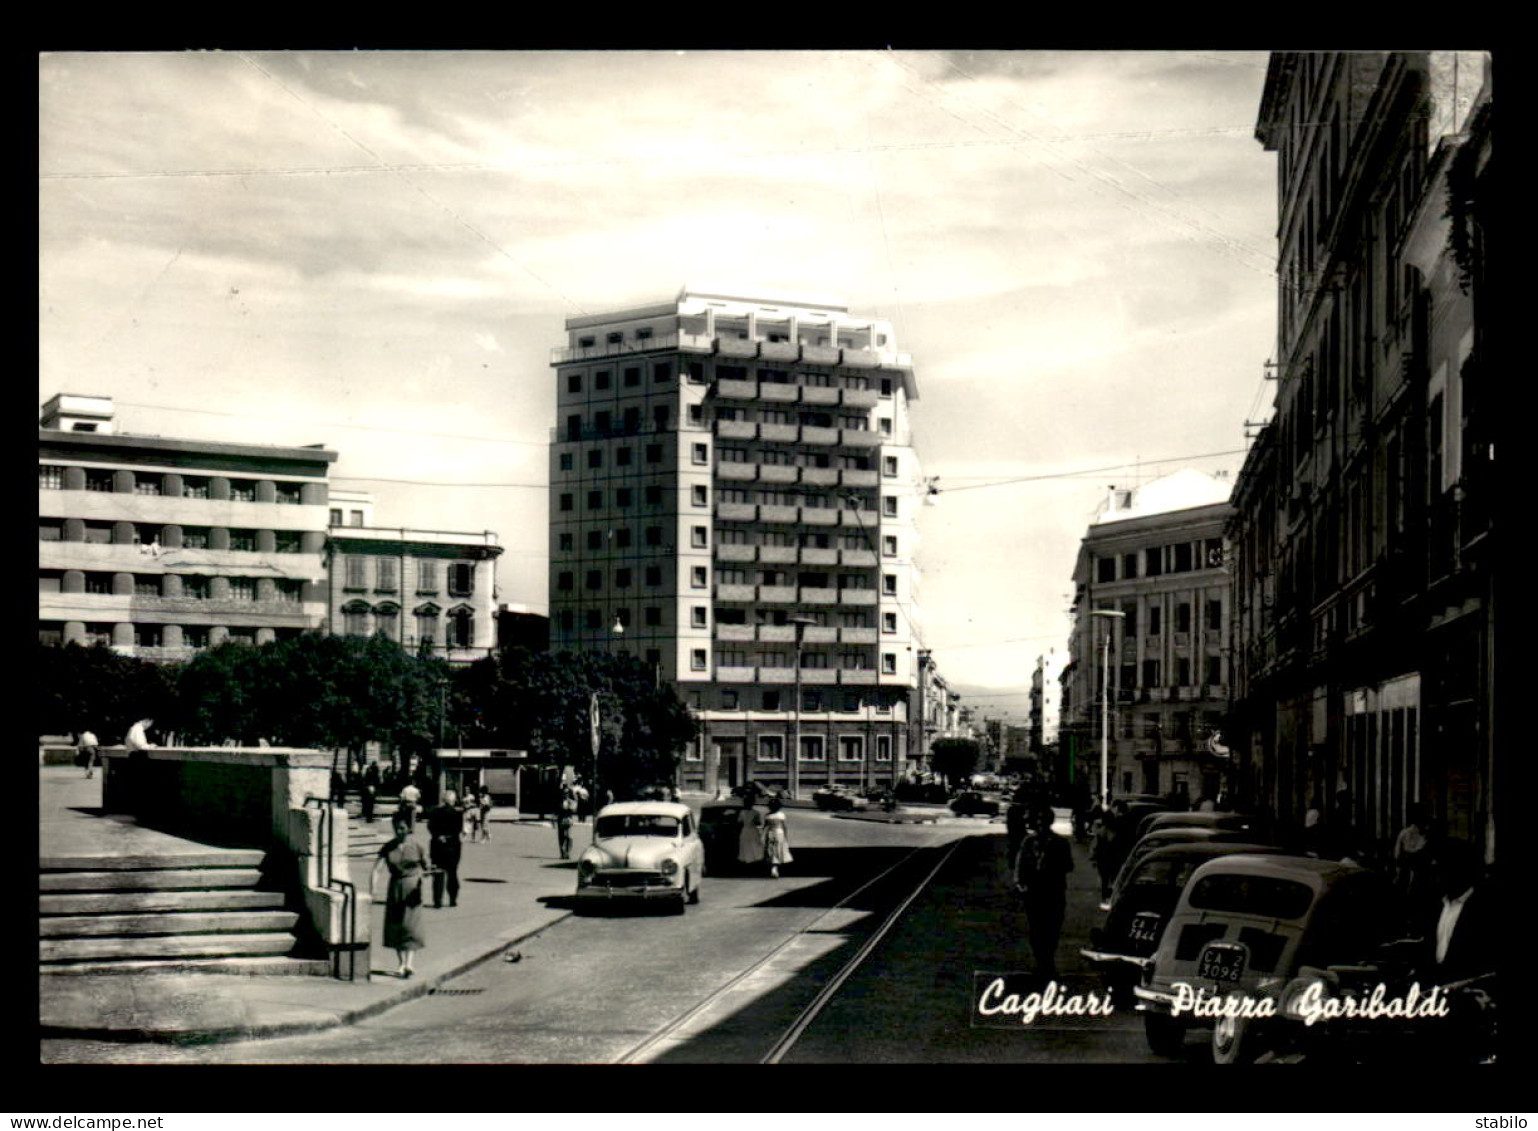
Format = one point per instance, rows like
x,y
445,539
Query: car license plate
x,y
1144,928
1221,963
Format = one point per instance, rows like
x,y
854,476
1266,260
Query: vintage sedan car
x,y
1124,943
642,850
1163,838
720,827
838,799
1243,927
1233,822
971,803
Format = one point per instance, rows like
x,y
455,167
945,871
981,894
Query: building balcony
x,y
737,512
812,434
820,476
729,552
860,359
818,634
858,636
851,677
777,392
777,473
736,593
861,398
811,596
737,472
819,516
778,433
858,558
857,597
736,674
816,555
734,631
566,355
736,347
776,675
736,429
857,520
771,512
859,477
1182,639
778,555
780,351
730,389
777,594
819,395
860,438
815,676
819,355
777,633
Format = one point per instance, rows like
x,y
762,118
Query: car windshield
x,y
637,824
1164,873
1267,896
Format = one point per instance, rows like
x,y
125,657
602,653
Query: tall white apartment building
x,y
733,496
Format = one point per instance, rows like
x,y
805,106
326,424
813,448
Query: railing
x,y
325,838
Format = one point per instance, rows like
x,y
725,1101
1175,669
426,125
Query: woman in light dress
x,y
750,838
776,841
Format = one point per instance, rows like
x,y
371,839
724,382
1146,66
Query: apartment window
x,y
98,480
883,748
568,620
1150,673
622,617
622,457
662,372
1214,553
1183,617
654,496
696,414
1214,673
654,575
654,535
355,619
98,533
566,502
242,490
699,577
651,616
565,580
1105,569
194,537
566,465
594,500
195,588
699,537
601,379
771,701
50,478
1129,566
1153,620
632,421
243,540
335,518
889,466
595,579
574,427
701,453
462,579
697,659
1182,671
889,584
595,540
50,530
888,622
889,663
595,457
1214,616
660,417
573,382
592,619
146,485
567,541
146,585
771,747
653,453
622,497
732,455
632,377
885,424
622,579
386,580
700,495
622,537
243,588
602,423
287,494
811,744
357,572
1153,561
1129,621
851,748
889,506
1183,558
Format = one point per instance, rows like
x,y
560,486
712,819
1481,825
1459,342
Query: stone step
x,y
131,902
167,946
173,923
278,965
160,879
212,858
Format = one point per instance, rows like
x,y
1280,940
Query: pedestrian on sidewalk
x,y
565,814
750,837
90,754
406,863
138,737
776,839
1041,882
484,804
446,830
411,798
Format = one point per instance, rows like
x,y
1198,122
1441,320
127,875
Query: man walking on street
x,y
1041,881
446,827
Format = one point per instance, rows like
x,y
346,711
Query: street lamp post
x,y
1105,708
795,755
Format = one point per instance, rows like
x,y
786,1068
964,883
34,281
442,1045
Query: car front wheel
x,y
1233,1041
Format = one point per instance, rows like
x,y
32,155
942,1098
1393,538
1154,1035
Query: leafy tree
x,y
955,759
94,688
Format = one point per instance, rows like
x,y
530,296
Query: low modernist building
x,y
159,547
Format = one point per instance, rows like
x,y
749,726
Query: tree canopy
x,y
955,759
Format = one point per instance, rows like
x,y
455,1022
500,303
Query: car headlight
x,y
585,869
668,867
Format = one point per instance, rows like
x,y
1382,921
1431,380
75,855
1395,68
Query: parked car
x,y
971,803
1162,838
642,850
1233,822
838,799
720,827
1123,944
1243,927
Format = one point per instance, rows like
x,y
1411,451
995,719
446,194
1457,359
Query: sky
x,y
376,251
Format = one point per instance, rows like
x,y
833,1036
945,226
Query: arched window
x,y
427,625
461,627
355,618
387,618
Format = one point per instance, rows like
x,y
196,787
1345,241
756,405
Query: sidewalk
x,y
512,886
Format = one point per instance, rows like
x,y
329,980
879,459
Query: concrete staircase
x,y
191,911
363,837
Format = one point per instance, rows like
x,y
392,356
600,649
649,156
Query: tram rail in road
x,y
646,1049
